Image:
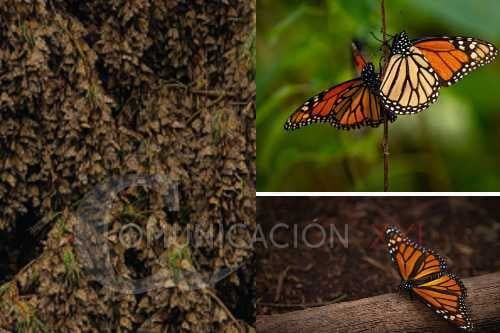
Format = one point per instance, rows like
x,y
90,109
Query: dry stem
x,y
385,141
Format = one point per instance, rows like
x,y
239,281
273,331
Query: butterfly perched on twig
x,y
418,68
423,274
349,105
411,79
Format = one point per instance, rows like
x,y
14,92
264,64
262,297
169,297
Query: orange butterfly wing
x,y
362,109
446,296
351,104
454,58
348,105
413,261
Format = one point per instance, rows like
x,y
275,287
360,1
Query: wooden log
x,y
390,313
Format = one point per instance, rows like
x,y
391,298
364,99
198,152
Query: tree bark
x,y
391,313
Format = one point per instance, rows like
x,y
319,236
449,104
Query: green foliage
x,y
222,124
248,51
304,48
175,258
71,267
4,287
61,226
23,313
30,324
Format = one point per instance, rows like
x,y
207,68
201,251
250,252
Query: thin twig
x,y
28,265
209,105
375,263
215,101
193,117
239,103
303,305
212,93
175,85
224,307
281,279
385,141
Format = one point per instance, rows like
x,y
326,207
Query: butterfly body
x,y
401,44
407,285
370,78
424,276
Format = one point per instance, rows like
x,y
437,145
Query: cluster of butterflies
x,y
423,274
414,73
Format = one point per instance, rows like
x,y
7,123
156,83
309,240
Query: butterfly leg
x,y
400,288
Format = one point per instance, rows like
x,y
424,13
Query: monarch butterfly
x,y
416,69
351,104
423,274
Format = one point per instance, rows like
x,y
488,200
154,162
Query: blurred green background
x,y
303,47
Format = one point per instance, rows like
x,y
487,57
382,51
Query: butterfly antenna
x,y
391,37
375,37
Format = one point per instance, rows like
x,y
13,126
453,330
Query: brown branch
x,y
390,313
385,141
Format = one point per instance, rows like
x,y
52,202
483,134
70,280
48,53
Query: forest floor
x,y
466,231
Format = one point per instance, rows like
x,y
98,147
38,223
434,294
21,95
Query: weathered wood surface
x,y
390,313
